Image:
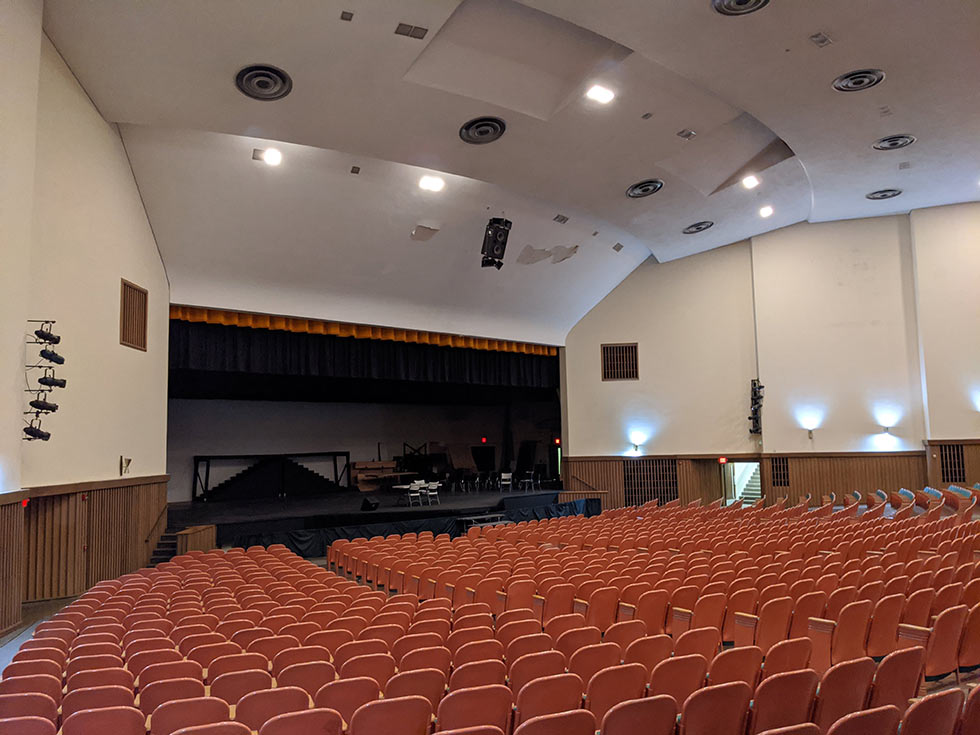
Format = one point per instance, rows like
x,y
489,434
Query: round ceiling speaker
x,y
263,82
482,130
858,81
644,188
738,7
883,194
894,142
698,227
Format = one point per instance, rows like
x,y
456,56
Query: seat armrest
x,y
913,635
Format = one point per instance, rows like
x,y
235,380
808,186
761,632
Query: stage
x,y
307,525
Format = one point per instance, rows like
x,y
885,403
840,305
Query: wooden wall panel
x,y
588,477
11,563
124,525
820,475
971,461
698,478
55,536
197,538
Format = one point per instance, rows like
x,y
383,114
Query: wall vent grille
x,y
951,465
779,466
650,479
620,362
132,316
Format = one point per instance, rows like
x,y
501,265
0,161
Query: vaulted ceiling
x,y
310,238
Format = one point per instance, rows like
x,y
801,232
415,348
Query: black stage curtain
x,y
196,346
314,542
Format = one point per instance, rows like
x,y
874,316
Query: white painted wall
x,y
947,271
90,230
840,310
20,50
837,336
692,319
199,427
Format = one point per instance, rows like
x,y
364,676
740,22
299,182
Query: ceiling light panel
x,y
600,94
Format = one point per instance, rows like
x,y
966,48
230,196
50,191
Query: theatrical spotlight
x,y
44,334
49,381
42,405
495,242
52,356
36,432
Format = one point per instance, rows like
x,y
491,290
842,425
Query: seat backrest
x,y
716,710
346,695
789,655
705,641
170,717
588,660
477,673
234,685
534,666
35,683
548,695
115,720
934,714
625,632
736,664
883,630
773,624
478,651
534,643
876,721
574,722
843,689
970,721
947,630
436,657
612,685
96,698
26,726
413,642
783,699
163,691
851,631
655,715
465,708
918,605
810,605
255,708
236,662
309,676
408,715
428,683
321,721
649,651
679,677
378,666
101,677
897,678
572,640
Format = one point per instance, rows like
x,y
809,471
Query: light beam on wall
x,y
975,397
887,415
885,442
809,417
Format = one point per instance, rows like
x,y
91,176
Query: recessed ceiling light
x,y
859,80
883,194
431,183
751,181
600,94
272,156
766,211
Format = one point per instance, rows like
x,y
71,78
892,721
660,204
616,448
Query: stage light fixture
x,y
45,335
50,381
52,356
36,432
42,405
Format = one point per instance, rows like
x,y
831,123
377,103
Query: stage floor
x,y
342,508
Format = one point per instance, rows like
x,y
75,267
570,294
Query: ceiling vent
x,y
821,40
263,82
346,15
858,81
687,134
404,29
644,188
883,194
355,169
482,130
698,227
618,246
738,7
561,219
894,142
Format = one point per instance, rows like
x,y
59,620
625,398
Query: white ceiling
x,y
308,238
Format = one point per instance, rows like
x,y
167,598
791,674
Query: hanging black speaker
x,y
495,242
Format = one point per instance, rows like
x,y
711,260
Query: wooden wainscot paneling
x,y
822,474
11,559
197,538
594,477
77,534
698,478
969,449
124,523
